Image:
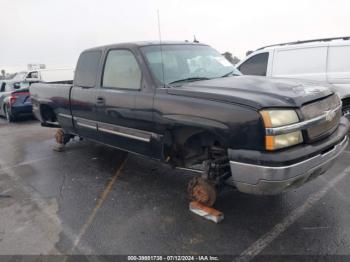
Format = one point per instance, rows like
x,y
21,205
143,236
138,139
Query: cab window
x,y
121,70
87,69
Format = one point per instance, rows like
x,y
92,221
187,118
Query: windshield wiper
x,y
189,79
230,73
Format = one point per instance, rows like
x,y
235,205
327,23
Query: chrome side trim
x,y
86,125
303,125
190,169
65,115
141,135
132,133
113,132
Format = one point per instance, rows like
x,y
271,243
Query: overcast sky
x,y
55,31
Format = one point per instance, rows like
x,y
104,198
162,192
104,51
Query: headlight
x,y
277,118
282,141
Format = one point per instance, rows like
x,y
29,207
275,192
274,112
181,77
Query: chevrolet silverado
x,y
184,104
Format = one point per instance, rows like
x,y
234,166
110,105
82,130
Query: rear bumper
x,y
274,179
21,110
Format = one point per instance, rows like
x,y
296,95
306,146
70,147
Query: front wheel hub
x,y
202,191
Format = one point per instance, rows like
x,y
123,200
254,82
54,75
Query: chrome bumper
x,y
268,180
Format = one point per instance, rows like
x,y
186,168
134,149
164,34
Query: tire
x,y
10,118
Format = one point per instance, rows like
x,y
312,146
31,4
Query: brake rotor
x,y
61,137
202,191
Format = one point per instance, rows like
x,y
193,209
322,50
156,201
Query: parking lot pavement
x,y
92,199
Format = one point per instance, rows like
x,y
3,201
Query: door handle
x,y
100,101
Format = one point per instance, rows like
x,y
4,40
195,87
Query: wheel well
x,y
187,145
204,139
47,113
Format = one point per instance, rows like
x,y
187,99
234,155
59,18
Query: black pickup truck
x,y
184,104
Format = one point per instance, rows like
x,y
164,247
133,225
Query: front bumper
x,y
270,180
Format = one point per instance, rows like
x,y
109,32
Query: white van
x,y
325,60
51,75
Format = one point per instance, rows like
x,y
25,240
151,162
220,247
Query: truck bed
x,y
54,97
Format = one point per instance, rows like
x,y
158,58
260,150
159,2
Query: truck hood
x,y
254,91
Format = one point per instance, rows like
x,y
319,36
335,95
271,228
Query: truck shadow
x,y
19,120
148,204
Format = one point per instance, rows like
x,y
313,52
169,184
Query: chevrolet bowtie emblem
x,y
330,115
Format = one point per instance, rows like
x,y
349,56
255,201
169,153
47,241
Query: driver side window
x,y
256,65
121,70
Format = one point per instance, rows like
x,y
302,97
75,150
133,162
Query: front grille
x,y
318,108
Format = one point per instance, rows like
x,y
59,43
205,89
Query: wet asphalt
x,y
93,199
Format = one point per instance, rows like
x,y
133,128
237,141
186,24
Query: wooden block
x,y
58,147
207,212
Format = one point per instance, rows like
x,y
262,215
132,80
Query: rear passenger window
x,y
256,65
300,61
121,70
339,59
87,69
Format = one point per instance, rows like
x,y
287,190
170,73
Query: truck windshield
x,y
186,63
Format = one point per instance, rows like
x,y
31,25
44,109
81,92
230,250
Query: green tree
x,y
3,73
233,59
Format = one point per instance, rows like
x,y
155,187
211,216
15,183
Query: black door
x,y
120,86
84,93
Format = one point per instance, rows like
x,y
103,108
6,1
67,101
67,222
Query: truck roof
x,y
142,43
